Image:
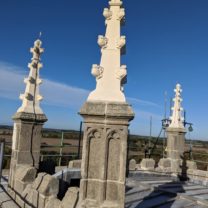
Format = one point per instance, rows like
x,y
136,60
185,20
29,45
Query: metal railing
x,y
61,153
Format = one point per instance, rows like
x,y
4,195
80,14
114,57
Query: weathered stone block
x,y
75,164
53,202
132,165
138,167
46,185
164,165
147,164
191,165
71,198
24,175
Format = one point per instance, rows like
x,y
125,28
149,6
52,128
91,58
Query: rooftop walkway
x,y
5,199
147,190
151,190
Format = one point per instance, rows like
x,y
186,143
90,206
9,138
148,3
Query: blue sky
x,y
167,42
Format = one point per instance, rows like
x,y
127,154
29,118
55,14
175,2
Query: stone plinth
x,y
175,143
164,165
132,165
175,147
147,164
75,164
104,154
25,142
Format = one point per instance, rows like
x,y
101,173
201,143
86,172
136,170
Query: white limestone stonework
x,y
177,118
31,97
110,74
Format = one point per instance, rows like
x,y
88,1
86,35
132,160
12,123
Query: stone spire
x,y
110,74
28,123
177,120
106,119
31,98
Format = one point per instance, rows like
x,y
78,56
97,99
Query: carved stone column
x,y
104,154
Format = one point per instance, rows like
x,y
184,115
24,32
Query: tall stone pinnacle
x,y
110,74
177,120
106,120
31,98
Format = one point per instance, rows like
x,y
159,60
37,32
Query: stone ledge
x,y
30,117
176,130
107,109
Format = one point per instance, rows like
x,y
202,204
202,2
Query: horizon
x,y
166,43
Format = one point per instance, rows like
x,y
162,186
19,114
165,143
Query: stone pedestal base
x,y
175,149
26,142
175,143
104,154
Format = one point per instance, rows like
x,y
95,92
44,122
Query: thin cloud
x,y
54,93
11,81
147,114
62,95
142,102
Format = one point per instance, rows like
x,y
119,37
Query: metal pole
x,y
150,137
165,117
164,144
1,157
61,148
80,138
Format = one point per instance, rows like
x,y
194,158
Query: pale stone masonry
x,y
104,154
110,74
28,122
106,117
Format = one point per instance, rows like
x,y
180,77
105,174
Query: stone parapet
x,y
147,164
198,176
191,165
75,164
164,165
132,165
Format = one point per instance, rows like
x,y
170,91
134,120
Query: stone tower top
x,y
31,97
110,74
115,3
177,120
